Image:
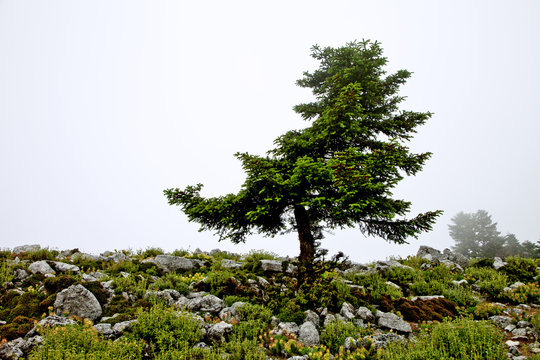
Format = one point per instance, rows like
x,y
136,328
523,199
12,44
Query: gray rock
x,y
393,322
429,253
461,282
328,319
171,263
299,357
519,332
218,331
124,326
207,303
15,349
41,267
308,334
312,317
347,311
19,275
230,264
26,248
427,297
77,300
104,329
262,282
501,321
534,348
85,256
287,327
272,265
350,344
524,324
365,314
50,321
169,295
382,340
117,257
498,263
63,267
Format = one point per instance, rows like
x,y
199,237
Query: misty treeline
x,y
476,236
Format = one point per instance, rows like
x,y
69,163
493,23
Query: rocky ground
x,y
66,287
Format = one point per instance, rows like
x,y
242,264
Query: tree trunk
x,y
307,241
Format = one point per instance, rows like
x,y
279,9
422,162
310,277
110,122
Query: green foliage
x,y
414,261
84,343
520,269
523,294
150,252
402,275
490,281
484,310
337,173
166,329
58,283
252,261
37,255
476,235
460,295
376,285
254,312
334,334
460,339
231,299
133,284
6,271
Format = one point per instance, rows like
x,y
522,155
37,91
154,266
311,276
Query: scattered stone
x,y
498,263
230,264
287,327
41,267
104,329
218,331
124,326
347,311
272,265
501,321
170,296
19,275
393,322
382,340
26,248
77,300
308,334
63,267
365,314
208,303
171,263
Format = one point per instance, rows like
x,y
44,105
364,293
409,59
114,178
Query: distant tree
x,y
530,249
476,235
337,173
512,246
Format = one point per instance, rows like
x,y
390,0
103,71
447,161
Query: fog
x,y
105,104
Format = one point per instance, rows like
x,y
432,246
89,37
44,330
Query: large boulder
x,y
217,332
208,303
26,248
79,301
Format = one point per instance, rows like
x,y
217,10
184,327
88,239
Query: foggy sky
x,y
103,104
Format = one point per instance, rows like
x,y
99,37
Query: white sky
x,y
103,104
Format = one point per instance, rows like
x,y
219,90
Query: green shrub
x,y
244,349
424,288
58,283
520,269
479,263
254,312
252,261
172,281
133,284
6,271
150,252
334,334
231,299
523,294
84,343
40,254
484,310
490,281
414,262
460,339
376,285
402,275
165,329
291,311
460,295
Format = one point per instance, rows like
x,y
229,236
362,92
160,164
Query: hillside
x,y
196,305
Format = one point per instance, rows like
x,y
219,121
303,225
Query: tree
x,y
337,173
476,235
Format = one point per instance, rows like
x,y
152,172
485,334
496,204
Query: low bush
x,y
460,339
84,343
484,310
520,269
522,294
334,334
490,281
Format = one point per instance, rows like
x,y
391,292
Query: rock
x,y
395,286
230,264
218,331
365,314
461,282
427,297
308,334
63,267
41,267
312,317
456,258
272,265
85,256
207,303
171,263
50,321
534,348
124,326
104,329
350,344
428,253
117,257
347,311
498,263
287,327
382,340
393,322
299,357
170,296
77,300
26,248
19,275
328,319
501,321
524,324
15,349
